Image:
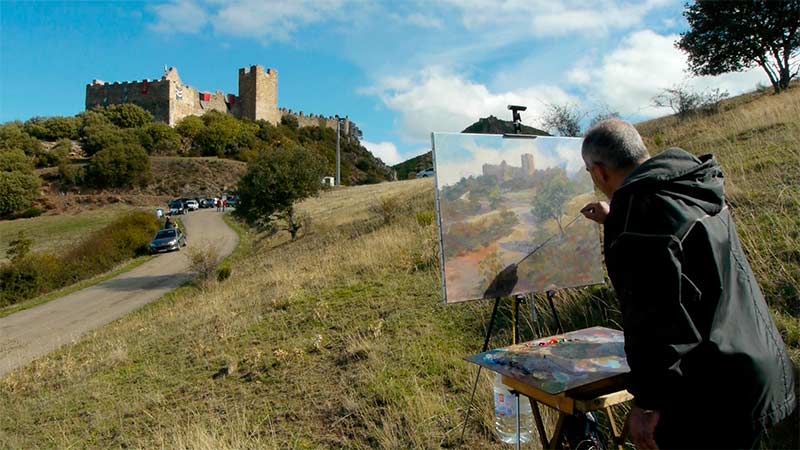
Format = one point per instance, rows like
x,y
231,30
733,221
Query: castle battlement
x,y
169,100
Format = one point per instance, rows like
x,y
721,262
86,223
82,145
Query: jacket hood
x,y
681,175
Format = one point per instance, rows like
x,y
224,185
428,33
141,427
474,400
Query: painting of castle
x,y
513,229
169,100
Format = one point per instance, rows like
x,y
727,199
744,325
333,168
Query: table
x,y
577,372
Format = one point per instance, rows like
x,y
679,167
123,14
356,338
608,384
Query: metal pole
x,y
519,430
338,156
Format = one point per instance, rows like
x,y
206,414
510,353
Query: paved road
x,y
29,334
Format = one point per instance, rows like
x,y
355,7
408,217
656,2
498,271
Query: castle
x,y
169,100
504,172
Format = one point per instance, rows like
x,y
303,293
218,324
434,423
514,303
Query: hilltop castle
x,y
504,172
169,100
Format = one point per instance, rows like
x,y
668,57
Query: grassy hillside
x,y
340,340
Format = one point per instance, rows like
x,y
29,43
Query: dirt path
x,y
29,334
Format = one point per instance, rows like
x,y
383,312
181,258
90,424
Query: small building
x,y
328,181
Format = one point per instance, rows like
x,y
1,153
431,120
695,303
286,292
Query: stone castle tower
x,y
527,164
258,94
169,100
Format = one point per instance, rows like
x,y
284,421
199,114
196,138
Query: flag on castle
x,y
206,96
231,99
145,86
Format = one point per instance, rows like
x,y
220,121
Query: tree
x,y
551,198
160,139
274,181
128,115
120,165
19,186
563,120
685,102
14,137
731,36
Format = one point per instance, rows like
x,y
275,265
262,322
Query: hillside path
x,y
35,332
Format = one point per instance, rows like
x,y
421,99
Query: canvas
x,y
508,212
560,363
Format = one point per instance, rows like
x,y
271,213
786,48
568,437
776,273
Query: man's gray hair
x,y
614,143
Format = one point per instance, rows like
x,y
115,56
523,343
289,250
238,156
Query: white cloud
x,y
546,18
436,100
642,66
424,21
261,19
386,151
182,16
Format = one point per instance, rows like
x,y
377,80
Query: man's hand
x,y
642,427
596,211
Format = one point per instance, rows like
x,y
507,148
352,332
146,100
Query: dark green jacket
x,y
698,332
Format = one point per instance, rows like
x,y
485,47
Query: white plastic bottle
x,y
505,414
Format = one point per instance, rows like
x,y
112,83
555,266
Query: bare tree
x,y
684,102
564,120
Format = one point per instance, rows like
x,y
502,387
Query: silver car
x,y
167,241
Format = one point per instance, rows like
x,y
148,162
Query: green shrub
x,y
34,274
13,137
18,190
15,161
127,115
425,218
55,155
26,214
53,128
69,175
120,165
96,138
223,273
160,139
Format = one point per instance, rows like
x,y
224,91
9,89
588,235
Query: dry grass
x,y
340,340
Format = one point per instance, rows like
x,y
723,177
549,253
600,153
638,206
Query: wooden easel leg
x,y
537,418
555,443
618,439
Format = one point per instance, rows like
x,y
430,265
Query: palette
x,y
563,362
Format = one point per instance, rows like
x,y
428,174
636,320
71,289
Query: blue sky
x,y
399,69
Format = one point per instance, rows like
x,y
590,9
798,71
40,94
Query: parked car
x,y
192,205
425,173
206,203
167,240
176,207
233,201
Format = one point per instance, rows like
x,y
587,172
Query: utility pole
x,y
338,155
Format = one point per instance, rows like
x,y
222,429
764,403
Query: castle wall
x,y
152,95
169,100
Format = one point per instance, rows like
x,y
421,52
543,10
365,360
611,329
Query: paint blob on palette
x,y
560,363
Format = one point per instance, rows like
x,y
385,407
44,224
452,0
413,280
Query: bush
x,y
160,139
55,155
203,260
685,102
223,273
69,175
15,161
120,165
18,190
425,218
98,137
34,274
127,115
53,128
13,137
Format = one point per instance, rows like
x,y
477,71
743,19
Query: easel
x,y
601,395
